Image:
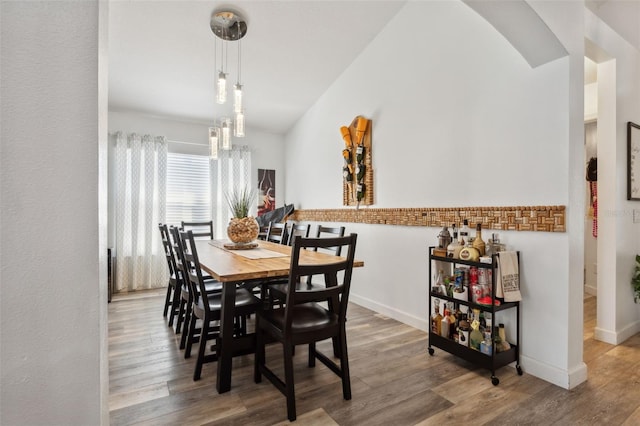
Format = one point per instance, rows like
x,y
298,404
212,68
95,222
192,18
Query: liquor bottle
x,y
463,331
436,319
464,232
486,347
453,323
475,337
478,243
469,252
435,286
442,289
445,324
454,247
493,245
504,345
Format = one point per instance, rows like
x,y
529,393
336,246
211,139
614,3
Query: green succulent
x,y
635,281
240,201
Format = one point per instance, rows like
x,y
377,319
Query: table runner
x,y
256,253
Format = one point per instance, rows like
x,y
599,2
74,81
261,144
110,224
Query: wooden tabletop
x,y
230,265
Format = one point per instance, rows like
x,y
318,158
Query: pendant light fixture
x,y
213,143
228,26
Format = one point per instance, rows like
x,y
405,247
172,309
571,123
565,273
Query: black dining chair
x,y
330,231
200,229
308,317
297,229
186,295
172,299
207,307
277,232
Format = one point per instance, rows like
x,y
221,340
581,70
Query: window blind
x,y
188,188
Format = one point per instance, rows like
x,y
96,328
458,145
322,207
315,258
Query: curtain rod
x,y
170,141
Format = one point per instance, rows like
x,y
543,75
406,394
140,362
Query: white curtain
x,y
140,192
232,170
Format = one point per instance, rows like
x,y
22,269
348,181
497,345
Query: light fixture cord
x,y
239,56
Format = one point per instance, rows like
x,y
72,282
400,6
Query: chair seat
x,y
243,298
210,286
307,317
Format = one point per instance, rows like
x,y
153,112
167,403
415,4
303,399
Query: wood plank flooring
x,y
394,380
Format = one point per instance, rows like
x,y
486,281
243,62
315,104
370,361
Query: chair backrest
x,y
297,229
328,231
168,250
181,263
194,273
337,275
200,229
277,232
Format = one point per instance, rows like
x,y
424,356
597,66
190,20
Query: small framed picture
x,y
633,161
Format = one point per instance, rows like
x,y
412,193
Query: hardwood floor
x,y
394,381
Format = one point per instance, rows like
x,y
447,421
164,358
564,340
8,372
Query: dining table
x,y
233,267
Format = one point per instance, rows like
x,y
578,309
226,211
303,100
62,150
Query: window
x,y
196,186
188,188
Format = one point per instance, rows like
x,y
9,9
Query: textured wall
x,y
51,304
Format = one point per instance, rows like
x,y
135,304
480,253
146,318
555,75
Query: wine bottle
x,y
464,232
478,243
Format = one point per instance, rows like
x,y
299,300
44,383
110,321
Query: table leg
x,y
225,349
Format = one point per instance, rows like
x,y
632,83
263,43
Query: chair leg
x,y
167,300
185,325
174,304
312,354
344,366
190,335
181,309
259,358
203,346
288,380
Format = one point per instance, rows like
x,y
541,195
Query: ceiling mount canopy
x,y
228,25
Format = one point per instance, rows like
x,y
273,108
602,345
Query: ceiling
x,y
161,53
161,56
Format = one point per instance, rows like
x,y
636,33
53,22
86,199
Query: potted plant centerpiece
x,y
243,229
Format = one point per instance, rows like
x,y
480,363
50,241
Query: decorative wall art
x,y
266,191
357,172
633,161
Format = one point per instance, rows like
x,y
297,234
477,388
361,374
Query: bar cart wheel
x,y
431,351
519,369
495,381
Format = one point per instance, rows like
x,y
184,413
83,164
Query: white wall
x,y
459,119
53,357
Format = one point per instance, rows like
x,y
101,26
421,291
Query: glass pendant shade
x,y
213,143
221,88
238,128
226,134
237,97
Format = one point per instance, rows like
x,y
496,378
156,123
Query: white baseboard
x,y
403,317
616,337
564,379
